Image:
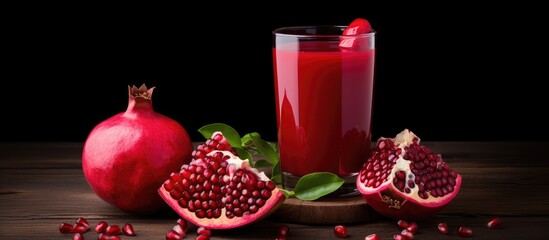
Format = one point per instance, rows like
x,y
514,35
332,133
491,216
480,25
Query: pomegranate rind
x,y
126,156
410,209
224,222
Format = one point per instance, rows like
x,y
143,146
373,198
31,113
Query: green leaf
x,y
265,148
274,145
262,163
230,133
244,154
315,185
276,177
247,139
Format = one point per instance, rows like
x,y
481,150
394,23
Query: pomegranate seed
x,y
78,236
83,221
173,235
203,237
113,230
178,230
283,230
101,226
183,224
403,224
493,223
465,232
407,234
371,237
128,230
203,231
443,228
413,227
78,228
399,237
340,231
280,238
65,228
103,236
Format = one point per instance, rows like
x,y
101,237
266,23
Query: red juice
x,y
323,107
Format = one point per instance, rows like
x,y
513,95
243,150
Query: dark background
x,y
457,72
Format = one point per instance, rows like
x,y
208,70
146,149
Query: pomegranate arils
x,y
372,237
78,228
203,231
103,236
113,230
443,228
203,237
340,231
105,231
376,164
78,236
65,228
465,232
178,230
283,230
173,235
402,224
216,142
493,223
399,237
183,224
101,226
407,234
128,230
413,227
82,221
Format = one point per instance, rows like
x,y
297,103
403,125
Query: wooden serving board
x,y
324,211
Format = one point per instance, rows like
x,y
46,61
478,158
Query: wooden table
x,y
42,185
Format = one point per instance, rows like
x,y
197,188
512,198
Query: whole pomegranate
x,y
405,180
127,156
218,190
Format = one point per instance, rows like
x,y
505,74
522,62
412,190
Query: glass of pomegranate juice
x,y
324,93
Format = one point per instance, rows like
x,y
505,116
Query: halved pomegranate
x,y
218,190
405,180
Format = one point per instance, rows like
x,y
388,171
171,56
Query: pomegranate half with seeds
x,y
218,190
405,180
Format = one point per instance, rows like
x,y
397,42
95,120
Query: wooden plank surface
x,y
42,185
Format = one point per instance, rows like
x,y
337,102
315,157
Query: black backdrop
x,y
447,73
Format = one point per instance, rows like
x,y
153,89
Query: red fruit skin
x,y
127,156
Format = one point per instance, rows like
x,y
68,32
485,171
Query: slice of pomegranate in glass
x,y
356,27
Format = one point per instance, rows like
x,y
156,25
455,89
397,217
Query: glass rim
x,y
279,31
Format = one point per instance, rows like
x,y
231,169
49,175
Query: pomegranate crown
x,y
141,92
